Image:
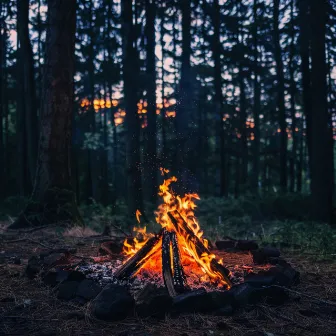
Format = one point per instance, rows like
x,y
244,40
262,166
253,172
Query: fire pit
x,y
171,271
178,250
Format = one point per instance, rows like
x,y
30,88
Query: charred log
x,y
172,269
167,271
180,281
138,259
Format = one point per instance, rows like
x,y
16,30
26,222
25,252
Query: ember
x,y
179,250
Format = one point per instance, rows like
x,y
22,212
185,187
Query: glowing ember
x,y
176,214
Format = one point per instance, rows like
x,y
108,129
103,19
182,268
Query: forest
x,y
212,120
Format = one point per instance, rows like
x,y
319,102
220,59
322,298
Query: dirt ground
x,y
28,307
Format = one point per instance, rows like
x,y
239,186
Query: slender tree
x,y
216,52
183,148
322,153
151,99
257,98
292,89
130,78
53,199
27,81
280,96
3,43
304,41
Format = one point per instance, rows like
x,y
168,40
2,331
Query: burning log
x,y
172,269
139,258
182,227
167,272
180,281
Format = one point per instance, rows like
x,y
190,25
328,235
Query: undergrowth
x,y
279,220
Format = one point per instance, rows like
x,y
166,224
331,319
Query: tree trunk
x,y
256,103
280,98
3,84
53,199
322,154
183,113
216,51
151,100
304,37
24,180
243,139
163,157
28,85
93,156
130,77
114,171
292,101
300,159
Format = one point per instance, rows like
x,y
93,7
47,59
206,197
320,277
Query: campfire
x,y
172,271
179,251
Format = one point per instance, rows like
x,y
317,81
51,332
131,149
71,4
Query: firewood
x,y
182,227
180,281
139,258
167,272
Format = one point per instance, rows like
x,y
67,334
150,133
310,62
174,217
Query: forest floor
x,y
28,307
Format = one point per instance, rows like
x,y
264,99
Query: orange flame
x,y
192,261
137,215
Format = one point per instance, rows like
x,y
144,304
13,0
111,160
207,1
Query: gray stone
x,y
88,289
113,303
67,290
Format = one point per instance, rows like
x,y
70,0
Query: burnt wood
x,y
167,271
180,281
182,227
139,258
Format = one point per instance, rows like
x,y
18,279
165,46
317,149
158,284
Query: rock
x,y
56,276
33,267
242,294
155,302
69,275
88,289
194,301
260,279
247,245
285,275
241,245
50,278
263,255
225,244
271,295
220,299
54,259
67,290
113,303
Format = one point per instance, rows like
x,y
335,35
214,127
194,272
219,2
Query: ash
x,y
103,274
